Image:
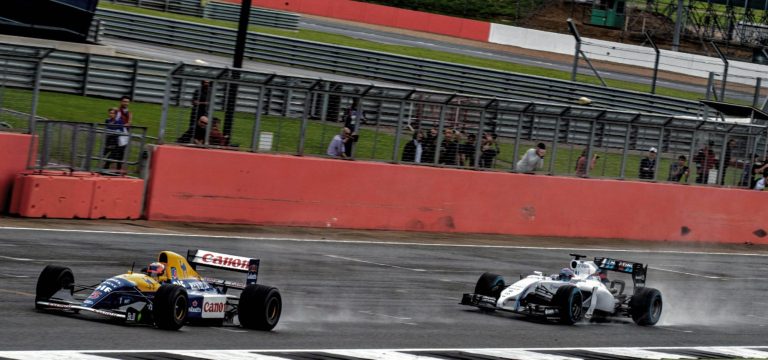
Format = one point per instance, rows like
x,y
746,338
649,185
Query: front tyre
x,y
490,284
170,306
259,307
645,306
570,304
52,279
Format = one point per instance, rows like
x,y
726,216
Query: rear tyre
x,y
170,306
52,279
570,304
260,307
645,306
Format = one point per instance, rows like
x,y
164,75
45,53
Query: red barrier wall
x,y
79,195
383,15
232,187
14,152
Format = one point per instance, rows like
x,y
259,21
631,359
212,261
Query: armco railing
x,y
219,11
383,66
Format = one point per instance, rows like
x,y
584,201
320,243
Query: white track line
x,y
689,274
264,238
374,263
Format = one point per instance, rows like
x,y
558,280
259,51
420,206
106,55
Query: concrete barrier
x,y
79,195
231,187
14,154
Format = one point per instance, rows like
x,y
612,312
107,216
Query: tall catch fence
x,y
302,116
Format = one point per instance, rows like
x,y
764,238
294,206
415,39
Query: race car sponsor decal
x,y
95,294
232,262
214,306
195,307
174,273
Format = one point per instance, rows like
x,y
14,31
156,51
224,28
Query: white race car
x,y
579,291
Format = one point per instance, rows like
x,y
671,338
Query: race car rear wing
x,y
637,270
226,262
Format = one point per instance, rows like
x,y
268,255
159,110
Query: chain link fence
x,y
315,117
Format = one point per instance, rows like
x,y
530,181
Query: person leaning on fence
x,y
758,168
449,149
490,149
678,170
648,165
337,145
467,151
581,163
195,135
532,159
413,149
216,137
429,147
760,185
705,160
123,114
115,141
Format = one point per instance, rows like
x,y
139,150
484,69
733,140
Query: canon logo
x,y
213,307
225,261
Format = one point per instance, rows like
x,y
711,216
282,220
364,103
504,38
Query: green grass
x,y
375,143
414,52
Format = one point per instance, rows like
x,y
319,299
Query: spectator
x,y
581,163
123,114
200,102
338,143
532,159
195,135
429,147
746,174
449,151
760,185
115,142
757,170
648,165
216,137
413,150
490,149
705,161
467,151
678,170
727,159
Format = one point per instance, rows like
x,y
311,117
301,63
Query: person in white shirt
x,y
760,185
532,159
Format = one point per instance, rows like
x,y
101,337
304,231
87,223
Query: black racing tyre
x,y
52,279
170,306
259,307
645,306
490,284
570,304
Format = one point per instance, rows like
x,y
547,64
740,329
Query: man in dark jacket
x,y
648,165
413,150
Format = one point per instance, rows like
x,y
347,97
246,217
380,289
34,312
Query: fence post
x,y
555,139
36,92
166,103
758,85
575,33
439,140
725,69
86,75
135,79
655,62
398,133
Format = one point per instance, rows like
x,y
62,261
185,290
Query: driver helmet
x,y
566,274
156,269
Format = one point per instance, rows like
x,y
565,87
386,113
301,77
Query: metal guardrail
x,y
383,66
219,11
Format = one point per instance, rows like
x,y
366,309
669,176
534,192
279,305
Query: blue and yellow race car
x,y
167,294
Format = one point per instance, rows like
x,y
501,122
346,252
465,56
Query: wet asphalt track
x,y
366,295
